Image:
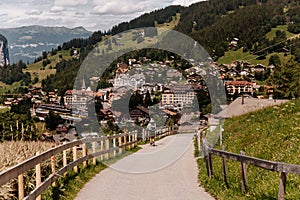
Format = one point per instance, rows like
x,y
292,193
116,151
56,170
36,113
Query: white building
x,y
135,81
178,96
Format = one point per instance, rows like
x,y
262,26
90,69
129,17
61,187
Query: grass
x,y
231,56
4,109
35,68
5,88
270,134
126,42
67,188
271,35
171,25
70,185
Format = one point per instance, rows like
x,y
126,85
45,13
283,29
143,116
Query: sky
x,y
91,14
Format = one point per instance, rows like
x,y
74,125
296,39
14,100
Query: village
x,y
141,84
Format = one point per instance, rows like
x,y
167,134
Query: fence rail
x,y
283,168
109,147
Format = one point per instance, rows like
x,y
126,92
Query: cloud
x,y
3,14
34,12
185,2
57,9
79,13
118,8
72,3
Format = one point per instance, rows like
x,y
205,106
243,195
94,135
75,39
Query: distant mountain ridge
x,y
27,42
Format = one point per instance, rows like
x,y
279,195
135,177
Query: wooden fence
x,y
283,168
109,147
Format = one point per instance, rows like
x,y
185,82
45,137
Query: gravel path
x,y
167,171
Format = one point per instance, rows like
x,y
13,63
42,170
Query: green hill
x,y
39,70
270,134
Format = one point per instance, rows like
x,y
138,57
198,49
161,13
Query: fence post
x,y
101,148
114,145
38,177
84,153
207,166
143,135
53,171
199,143
94,151
132,140
129,140
282,186
244,174
224,168
136,139
65,158
125,140
107,148
74,151
206,157
210,162
21,186
120,144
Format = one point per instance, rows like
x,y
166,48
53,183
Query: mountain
x,y
4,55
28,42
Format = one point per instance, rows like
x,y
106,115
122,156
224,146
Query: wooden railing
x,y
109,147
283,168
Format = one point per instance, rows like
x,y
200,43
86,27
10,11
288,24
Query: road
x,y
167,171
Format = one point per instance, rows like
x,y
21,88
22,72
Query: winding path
x,y
167,171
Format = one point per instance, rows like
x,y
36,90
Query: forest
x,y
14,73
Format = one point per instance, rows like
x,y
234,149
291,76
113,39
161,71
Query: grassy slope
x,y
271,34
35,70
172,24
231,55
127,38
271,134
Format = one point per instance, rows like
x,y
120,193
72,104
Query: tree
x,y
286,78
44,54
53,120
148,101
23,107
62,101
275,60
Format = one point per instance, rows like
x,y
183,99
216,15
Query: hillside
x,y
41,71
270,134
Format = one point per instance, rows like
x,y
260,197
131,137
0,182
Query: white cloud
x,y
118,8
3,14
185,2
34,12
64,3
57,9
79,13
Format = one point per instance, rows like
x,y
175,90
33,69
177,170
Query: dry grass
x,y
12,153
